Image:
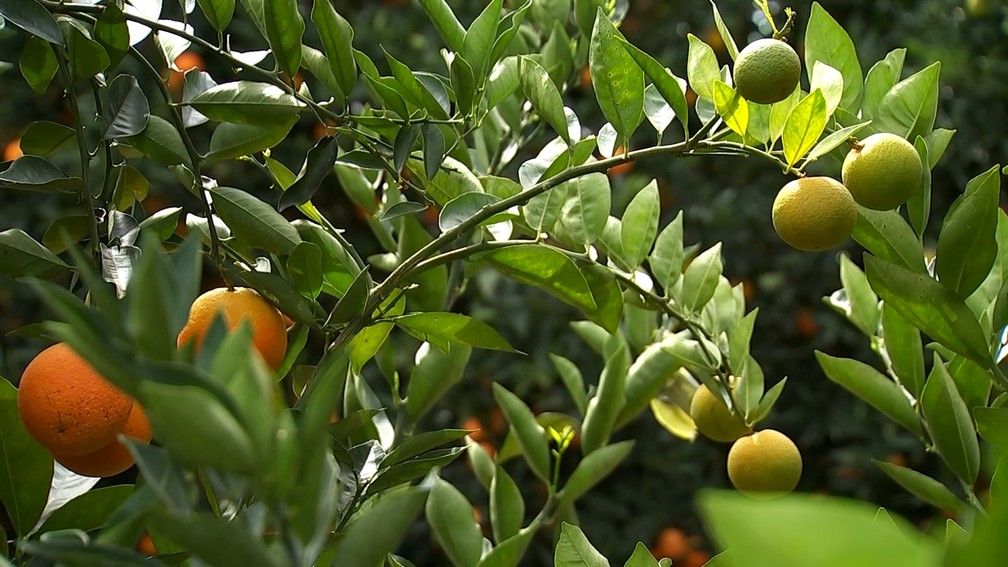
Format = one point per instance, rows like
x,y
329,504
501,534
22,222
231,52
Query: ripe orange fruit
x,y
67,406
671,543
185,61
12,150
145,545
269,333
114,457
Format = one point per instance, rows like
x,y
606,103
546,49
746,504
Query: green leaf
x,y
726,37
887,235
230,141
640,224
967,244
479,38
803,127
642,557
530,435
732,107
607,295
30,16
89,511
923,487
163,222
881,77
38,64
26,467
702,68
572,379
87,56
918,207
464,207
647,377
433,375
218,12
509,552
161,142
366,343
909,109
930,307
699,281
574,550
215,540
433,151
667,258
126,110
443,328
832,141
255,221
447,25
21,255
827,41
950,424
544,95
871,386
44,137
507,506
33,173
603,409
846,532
586,208
247,102
592,469
318,165
993,426
545,268
451,518
305,268
284,29
353,302
616,79
337,40
858,302
905,350
672,88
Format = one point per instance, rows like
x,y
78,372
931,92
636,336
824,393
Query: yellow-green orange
x,y
882,172
713,418
767,71
269,333
764,464
814,213
67,406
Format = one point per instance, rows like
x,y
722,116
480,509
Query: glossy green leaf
x,y
992,424
255,221
871,386
640,224
642,557
447,25
26,467
846,532
247,102
833,141
702,68
30,16
544,95
950,424
38,64
21,255
436,372
603,409
572,379
451,518
479,38
318,165
509,552
586,208
700,279
887,235
337,40
882,76
803,127
574,550
218,12
507,506
230,141
827,41
616,79
857,302
443,328
89,511
305,268
967,244
931,307
905,349
667,258
909,109
922,486
726,36
161,142
530,435
918,207
672,88
545,268
734,109
32,173
592,469
44,137
87,56
284,29
215,540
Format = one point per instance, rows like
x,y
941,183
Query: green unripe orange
x,y
713,418
764,464
814,213
882,172
767,71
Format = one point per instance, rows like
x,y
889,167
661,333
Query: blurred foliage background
x,y
724,199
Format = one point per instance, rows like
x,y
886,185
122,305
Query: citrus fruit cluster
x,y
761,464
77,415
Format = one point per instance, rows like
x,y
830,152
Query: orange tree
x,y
322,460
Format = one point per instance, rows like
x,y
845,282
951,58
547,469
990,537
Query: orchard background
x,y
650,496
